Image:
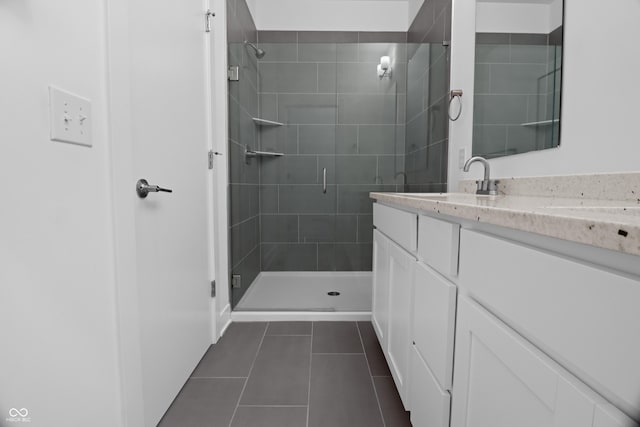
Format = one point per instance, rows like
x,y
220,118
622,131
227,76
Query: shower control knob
x,y
143,188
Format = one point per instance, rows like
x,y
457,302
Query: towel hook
x,y
456,93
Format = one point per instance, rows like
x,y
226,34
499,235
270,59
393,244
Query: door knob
x,y
143,188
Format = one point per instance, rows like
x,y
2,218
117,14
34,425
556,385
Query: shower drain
x,y
333,293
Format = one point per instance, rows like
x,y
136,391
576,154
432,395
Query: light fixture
x,y
384,67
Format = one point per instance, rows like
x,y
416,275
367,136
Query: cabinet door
x,y
434,318
401,270
380,305
501,380
430,405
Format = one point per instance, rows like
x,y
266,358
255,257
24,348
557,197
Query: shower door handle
x,y
324,180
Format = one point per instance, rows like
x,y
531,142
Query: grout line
x,y
310,364
249,374
373,384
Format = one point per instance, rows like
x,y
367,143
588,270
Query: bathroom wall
x,y
244,179
426,149
330,15
340,116
599,132
59,357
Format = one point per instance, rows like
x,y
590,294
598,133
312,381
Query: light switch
x,y
70,117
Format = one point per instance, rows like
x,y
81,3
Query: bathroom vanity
x,y
508,310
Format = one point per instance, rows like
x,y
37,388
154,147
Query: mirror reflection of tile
x,y
518,79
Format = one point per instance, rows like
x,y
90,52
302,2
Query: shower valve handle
x,y
143,188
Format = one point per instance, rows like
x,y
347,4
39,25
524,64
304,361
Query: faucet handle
x,y
487,187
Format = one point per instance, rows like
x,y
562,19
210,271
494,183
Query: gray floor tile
x,y
336,337
234,353
342,393
280,375
375,357
204,402
270,416
390,403
289,328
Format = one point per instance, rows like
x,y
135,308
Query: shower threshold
x,y
290,295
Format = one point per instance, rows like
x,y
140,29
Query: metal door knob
x,y
143,188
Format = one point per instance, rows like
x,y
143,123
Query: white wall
x,y
57,310
500,17
601,86
330,15
414,6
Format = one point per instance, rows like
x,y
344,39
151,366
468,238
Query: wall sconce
x,y
384,67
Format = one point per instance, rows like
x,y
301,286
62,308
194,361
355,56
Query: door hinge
x,y
210,157
213,289
236,281
207,20
233,73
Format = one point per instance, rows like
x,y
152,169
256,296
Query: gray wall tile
x,y
307,199
355,198
366,109
289,170
289,256
356,169
328,228
377,139
307,108
317,52
288,77
327,37
279,52
317,139
279,228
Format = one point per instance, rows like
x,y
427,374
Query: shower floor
x,y
308,291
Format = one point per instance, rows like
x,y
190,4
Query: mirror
x,y
518,76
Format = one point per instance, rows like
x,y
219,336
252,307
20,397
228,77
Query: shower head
x,y
259,53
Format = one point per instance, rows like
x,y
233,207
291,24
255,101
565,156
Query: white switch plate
x,y
462,157
70,117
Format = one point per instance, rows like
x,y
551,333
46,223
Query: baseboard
x,y
308,316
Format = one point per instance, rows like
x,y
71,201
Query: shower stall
x,y
316,122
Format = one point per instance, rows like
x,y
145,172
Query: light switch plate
x,y
71,119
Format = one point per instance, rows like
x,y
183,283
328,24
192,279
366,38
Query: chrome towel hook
x,y
455,93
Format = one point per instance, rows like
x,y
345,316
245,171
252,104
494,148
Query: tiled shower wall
x,y
517,82
244,179
337,115
427,125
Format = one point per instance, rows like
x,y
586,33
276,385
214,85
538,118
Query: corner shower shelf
x,y
542,123
265,122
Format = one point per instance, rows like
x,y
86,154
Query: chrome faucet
x,y
487,185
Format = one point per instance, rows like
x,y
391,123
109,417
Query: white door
x,y
401,271
500,380
380,304
169,129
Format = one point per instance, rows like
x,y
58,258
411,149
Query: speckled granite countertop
x,y
609,224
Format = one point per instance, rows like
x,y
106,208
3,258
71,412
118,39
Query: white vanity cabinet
x,y
483,331
394,263
501,380
380,304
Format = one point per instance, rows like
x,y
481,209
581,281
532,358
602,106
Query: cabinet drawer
x,y
585,317
438,245
399,225
434,312
430,405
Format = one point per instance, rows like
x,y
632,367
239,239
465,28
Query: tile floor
x,y
291,374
